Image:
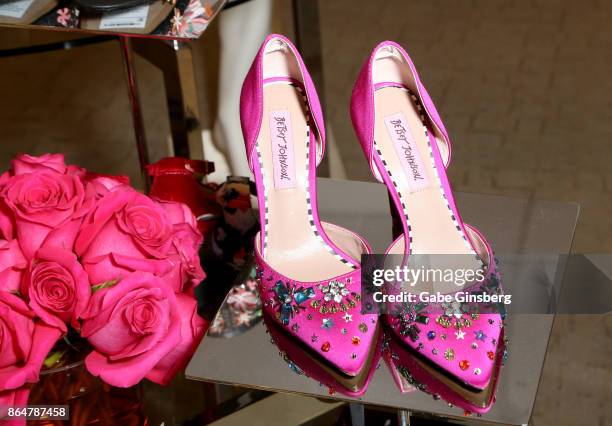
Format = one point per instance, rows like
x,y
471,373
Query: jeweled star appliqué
x,y
327,323
479,335
290,297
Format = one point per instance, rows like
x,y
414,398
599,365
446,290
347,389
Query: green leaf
x,y
53,358
106,284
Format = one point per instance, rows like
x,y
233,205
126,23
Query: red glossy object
x,y
179,179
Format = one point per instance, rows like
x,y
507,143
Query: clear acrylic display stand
x,y
530,238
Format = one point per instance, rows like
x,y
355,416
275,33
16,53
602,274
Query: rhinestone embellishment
x,y
449,354
334,290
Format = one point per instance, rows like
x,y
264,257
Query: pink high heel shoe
x,y
446,349
308,270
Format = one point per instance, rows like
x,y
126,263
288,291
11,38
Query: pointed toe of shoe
x,y
324,317
468,353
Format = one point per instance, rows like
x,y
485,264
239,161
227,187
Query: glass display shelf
x,y
530,237
166,19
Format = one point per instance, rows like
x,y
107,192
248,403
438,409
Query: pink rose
x,y
13,398
184,252
4,178
7,218
113,267
57,287
48,207
7,221
108,180
131,326
45,163
24,343
99,185
124,229
187,272
193,328
12,265
78,171
178,212
128,223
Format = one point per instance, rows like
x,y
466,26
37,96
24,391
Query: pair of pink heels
x,y
309,271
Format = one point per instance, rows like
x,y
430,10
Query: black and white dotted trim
x,y
264,228
311,219
433,163
419,106
399,195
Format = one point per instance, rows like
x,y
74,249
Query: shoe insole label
x,y
283,157
406,148
15,9
134,17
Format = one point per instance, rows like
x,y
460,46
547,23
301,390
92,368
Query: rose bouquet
x,y
86,256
